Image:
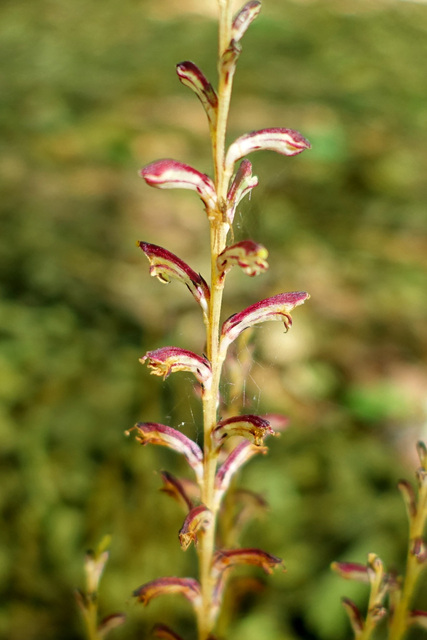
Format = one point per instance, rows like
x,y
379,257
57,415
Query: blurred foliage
x,y
88,96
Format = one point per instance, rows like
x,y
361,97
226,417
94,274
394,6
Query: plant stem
x,y
90,616
218,236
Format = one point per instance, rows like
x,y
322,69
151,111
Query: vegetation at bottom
x,y
87,98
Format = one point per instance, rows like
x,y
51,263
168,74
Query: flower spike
x,y
160,434
275,308
166,266
250,256
191,76
188,587
167,360
171,174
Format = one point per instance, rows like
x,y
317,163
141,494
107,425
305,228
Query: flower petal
x,y
242,184
252,427
351,571
418,618
198,519
225,559
191,76
419,549
163,632
422,454
160,434
237,458
167,360
277,421
355,617
408,494
175,488
109,623
165,266
275,308
284,141
188,587
250,256
244,18
171,174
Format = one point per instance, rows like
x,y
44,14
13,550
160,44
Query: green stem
x,y
90,616
218,238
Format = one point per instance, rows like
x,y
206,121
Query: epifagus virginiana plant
x,y
391,595
215,463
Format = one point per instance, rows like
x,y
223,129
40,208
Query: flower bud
x,y
191,76
244,18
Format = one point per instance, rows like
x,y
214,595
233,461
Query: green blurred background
x,y
89,95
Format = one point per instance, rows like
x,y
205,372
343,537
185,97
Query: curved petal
x,y
175,488
191,76
227,558
250,256
160,434
163,632
188,587
167,360
284,141
242,184
171,174
166,266
253,428
198,519
244,18
236,459
275,308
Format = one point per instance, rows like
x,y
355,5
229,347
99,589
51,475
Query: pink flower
x,y
166,266
250,256
171,174
167,360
